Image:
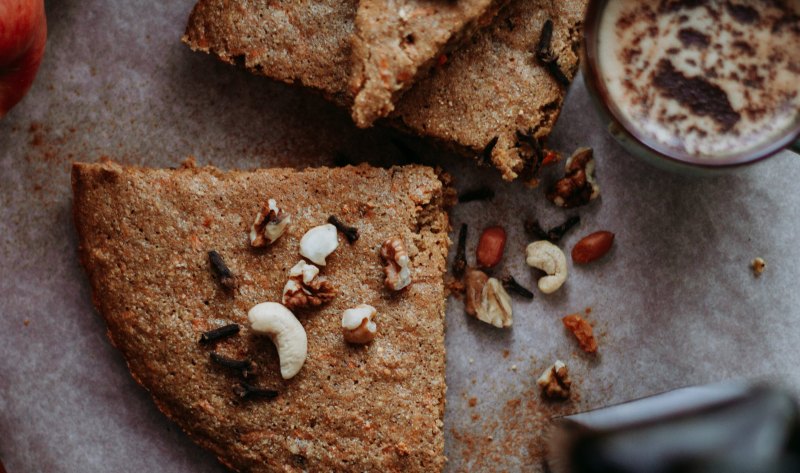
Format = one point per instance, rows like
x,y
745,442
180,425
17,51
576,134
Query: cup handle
x,y
795,146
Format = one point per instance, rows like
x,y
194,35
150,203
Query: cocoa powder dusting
x,y
696,93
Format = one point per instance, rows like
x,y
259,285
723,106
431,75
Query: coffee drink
x,y
707,79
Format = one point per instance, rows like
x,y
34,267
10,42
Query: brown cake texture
x,y
144,238
493,86
305,42
397,41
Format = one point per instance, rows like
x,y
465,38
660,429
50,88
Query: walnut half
x,y
305,288
395,257
269,225
487,299
578,186
555,382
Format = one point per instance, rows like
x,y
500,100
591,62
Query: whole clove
x,y
351,233
511,284
248,391
221,271
535,231
479,193
219,333
556,233
553,235
460,260
545,56
487,150
531,170
245,367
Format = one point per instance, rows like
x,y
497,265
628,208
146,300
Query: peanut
x,y
490,247
592,247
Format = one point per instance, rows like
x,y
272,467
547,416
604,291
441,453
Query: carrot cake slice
x,y
496,98
397,41
180,262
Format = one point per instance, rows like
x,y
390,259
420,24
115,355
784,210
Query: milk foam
x,y
706,78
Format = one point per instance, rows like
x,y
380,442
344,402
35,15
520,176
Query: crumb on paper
x,y
582,331
26,322
758,265
473,401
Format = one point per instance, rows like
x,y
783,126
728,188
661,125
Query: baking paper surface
x,y
673,304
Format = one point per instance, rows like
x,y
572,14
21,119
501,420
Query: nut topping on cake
x,y
269,225
305,288
394,254
357,324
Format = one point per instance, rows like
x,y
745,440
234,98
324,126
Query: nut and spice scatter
x,y
583,332
221,271
318,243
270,223
351,233
219,333
592,247
396,261
758,265
306,288
491,246
358,326
549,258
579,186
555,382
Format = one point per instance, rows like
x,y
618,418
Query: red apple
x,y
23,34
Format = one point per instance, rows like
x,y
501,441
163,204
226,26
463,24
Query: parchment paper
x,y
674,303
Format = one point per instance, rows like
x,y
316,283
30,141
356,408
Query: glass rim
x,y
594,81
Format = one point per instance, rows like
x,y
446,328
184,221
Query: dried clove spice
x,y
556,233
221,271
460,261
535,231
248,391
351,233
511,284
533,165
245,367
219,333
486,154
545,56
553,235
479,193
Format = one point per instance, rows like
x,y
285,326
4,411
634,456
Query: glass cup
x,y
643,146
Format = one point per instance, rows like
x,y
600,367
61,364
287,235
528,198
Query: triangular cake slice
x,y
489,97
493,87
145,237
397,41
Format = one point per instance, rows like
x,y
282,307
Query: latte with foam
x,y
704,78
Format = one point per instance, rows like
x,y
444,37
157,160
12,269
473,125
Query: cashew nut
x,y
286,332
550,259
